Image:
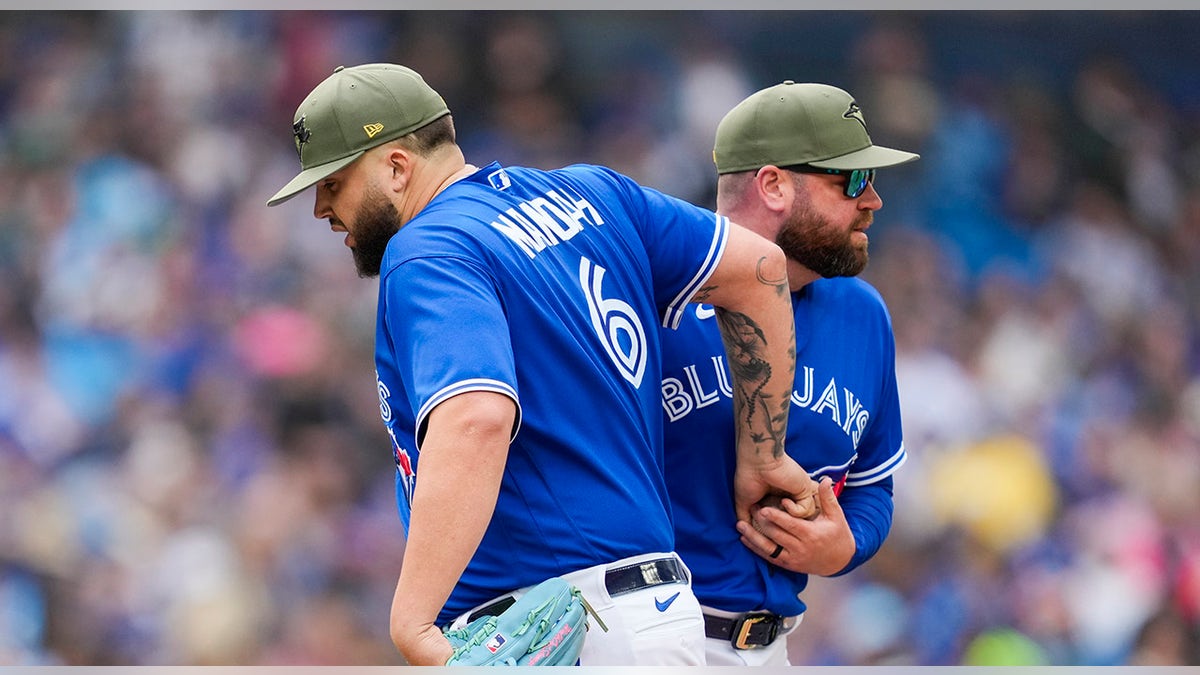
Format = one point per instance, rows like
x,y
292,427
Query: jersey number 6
x,y
619,328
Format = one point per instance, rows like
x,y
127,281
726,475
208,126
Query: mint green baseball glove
x,y
544,627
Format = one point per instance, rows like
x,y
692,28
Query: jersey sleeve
x,y
450,333
867,498
684,243
868,510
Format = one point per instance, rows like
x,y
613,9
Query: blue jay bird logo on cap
x,y
302,135
855,113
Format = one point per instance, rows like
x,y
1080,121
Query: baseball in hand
x,y
806,507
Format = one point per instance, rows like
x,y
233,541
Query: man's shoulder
x,y
567,184
578,170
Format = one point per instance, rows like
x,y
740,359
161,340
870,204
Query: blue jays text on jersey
x,y
511,281
844,423
839,404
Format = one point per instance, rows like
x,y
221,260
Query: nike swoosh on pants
x,y
662,605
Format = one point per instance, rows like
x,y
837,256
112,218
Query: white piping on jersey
x,y
461,387
880,472
716,250
833,470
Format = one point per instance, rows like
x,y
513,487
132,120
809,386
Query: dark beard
x,y
820,246
377,220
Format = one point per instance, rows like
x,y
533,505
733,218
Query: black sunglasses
x,y
856,180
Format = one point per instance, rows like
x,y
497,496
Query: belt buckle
x,y
742,630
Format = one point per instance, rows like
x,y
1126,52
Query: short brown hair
x,y
430,137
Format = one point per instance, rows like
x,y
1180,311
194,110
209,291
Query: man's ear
x,y
400,163
775,188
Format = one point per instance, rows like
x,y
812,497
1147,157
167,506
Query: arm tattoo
x,y
704,294
781,285
744,345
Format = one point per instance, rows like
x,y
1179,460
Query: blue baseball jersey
x,y
844,422
548,287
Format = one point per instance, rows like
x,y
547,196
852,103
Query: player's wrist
x,y
751,458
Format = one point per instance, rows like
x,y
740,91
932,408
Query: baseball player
x,y
796,165
518,365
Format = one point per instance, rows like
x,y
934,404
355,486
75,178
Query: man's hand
x,y
420,645
546,626
821,546
782,475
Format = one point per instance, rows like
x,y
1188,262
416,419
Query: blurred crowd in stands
x,y
192,466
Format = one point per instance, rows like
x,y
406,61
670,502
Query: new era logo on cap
x,y
372,129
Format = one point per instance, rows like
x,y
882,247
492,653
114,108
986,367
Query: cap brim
x,y
872,157
309,177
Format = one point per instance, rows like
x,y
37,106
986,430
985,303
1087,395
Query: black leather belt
x,y
618,581
748,631
635,577
493,609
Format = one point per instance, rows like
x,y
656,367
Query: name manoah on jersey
x,y
514,280
844,423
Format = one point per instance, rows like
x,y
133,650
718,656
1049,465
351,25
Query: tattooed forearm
x,y
745,345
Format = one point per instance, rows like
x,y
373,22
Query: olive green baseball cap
x,y
352,111
799,123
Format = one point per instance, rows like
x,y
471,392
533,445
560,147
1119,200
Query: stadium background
x,y
192,467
